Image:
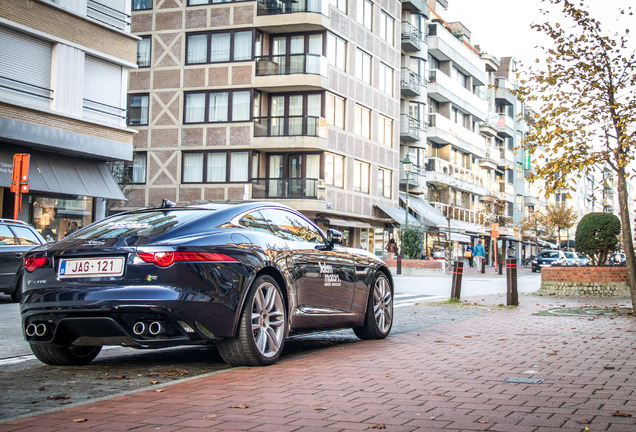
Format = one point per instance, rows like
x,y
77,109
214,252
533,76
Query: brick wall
x,y
411,267
584,281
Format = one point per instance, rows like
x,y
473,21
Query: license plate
x,y
88,267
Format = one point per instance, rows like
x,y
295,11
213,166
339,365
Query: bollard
x,y
483,264
512,296
456,286
399,264
500,267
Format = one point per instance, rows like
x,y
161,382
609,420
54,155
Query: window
x,y
459,77
335,110
138,110
360,176
223,106
386,79
256,221
143,51
334,170
141,4
385,133
510,176
137,169
205,2
103,83
387,27
364,13
216,167
292,227
341,5
363,66
384,183
363,121
519,203
336,51
216,47
519,171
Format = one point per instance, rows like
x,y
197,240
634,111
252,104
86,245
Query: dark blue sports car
x,y
242,276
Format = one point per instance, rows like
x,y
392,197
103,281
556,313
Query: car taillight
x,y
166,259
30,264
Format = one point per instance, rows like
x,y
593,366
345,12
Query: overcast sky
x,y
502,27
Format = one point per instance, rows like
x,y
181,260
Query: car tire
x,y
534,269
65,355
379,315
262,327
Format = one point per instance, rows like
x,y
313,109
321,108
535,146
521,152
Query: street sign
x,y
20,179
494,230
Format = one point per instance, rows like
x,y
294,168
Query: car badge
x,y
150,278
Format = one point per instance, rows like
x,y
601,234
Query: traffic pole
x,y
456,285
512,296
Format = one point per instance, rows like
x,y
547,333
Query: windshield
x,y
569,254
143,224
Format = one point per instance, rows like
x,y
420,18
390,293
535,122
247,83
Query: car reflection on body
x,y
242,276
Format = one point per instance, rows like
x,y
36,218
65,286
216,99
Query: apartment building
x,y
63,79
296,102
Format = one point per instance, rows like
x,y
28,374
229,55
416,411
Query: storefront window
x,y
56,216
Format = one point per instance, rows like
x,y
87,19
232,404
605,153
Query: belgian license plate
x,y
90,267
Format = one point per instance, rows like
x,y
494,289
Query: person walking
x,y
391,248
470,252
480,254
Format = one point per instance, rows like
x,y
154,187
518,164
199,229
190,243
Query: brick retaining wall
x,y
412,267
590,281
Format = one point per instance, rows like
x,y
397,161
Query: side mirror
x,y
334,237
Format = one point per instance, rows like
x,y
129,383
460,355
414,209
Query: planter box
x,y
589,281
412,267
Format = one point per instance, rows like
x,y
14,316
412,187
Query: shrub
x,y
412,239
597,236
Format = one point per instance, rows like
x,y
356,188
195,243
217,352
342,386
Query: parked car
x,y
584,260
617,259
571,259
16,237
243,276
546,258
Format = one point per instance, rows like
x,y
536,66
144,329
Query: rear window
x,y
145,224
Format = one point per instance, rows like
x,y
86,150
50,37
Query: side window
x,y
290,226
6,236
255,221
25,236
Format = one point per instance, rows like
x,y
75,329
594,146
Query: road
x,y
30,387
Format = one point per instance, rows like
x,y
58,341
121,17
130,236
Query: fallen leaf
x,y
609,368
159,390
42,389
58,397
471,370
620,414
553,353
467,337
80,420
483,421
583,421
598,337
209,416
154,382
377,426
320,409
241,406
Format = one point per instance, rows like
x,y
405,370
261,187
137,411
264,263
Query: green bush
x,y
412,239
597,236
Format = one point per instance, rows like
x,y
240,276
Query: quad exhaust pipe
x,y
153,329
36,330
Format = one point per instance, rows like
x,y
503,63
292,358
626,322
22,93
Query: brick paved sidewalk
x,y
443,378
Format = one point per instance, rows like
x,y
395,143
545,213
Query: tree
x,y
586,89
559,217
597,236
412,241
533,227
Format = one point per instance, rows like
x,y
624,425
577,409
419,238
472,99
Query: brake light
x,y
166,259
30,264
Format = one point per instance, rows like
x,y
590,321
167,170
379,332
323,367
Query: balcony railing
x,y
107,15
410,82
411,37
286,188
441,166
98,110
410,128
459,213
310,126
15,86
276,7
291,64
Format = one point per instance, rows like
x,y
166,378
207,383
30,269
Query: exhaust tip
x,y
40,330
155,328
30,330
139,328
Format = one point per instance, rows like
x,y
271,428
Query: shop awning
x,y
347,223
460,238
55,173
397,214
430,215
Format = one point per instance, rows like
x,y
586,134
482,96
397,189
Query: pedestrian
x,y
71,229
392,248
470,251
479,254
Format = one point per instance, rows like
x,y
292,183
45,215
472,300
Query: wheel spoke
x,y
382,304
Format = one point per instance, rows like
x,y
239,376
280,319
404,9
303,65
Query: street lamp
x,y
408,167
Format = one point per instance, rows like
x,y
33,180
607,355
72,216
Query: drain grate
x,y
523,380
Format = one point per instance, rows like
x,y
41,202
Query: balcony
x,y
503,95
24,91
410,83
277,7
411,37
459,213
439,171
308,126
443,88
287,188
285,16
410,128
418,6
107,15
291,64
443,131
103,113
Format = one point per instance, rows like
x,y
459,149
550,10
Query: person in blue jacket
x,y
480,254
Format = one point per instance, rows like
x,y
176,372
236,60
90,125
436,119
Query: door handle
x,y
18,255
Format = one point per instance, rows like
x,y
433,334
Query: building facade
x,y
63,79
